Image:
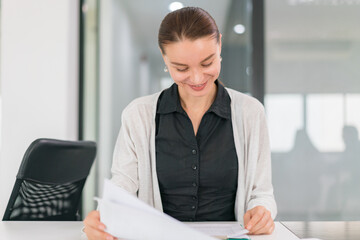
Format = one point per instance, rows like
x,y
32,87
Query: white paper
x,y
280,233
228,230
115,194
127,217
310,239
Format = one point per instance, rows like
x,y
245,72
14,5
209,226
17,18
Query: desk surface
x,y
325,230
72,231
29,230
14,230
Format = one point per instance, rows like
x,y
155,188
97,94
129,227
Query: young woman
x,y
197,151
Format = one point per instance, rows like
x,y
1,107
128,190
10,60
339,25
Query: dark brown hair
x,y
187,23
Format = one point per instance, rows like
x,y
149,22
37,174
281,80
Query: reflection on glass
x,y
316,176
237,47
325,121
285,117
352,116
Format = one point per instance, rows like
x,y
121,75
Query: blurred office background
x,y
68,69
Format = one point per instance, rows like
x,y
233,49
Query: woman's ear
x,y
162,54
220,42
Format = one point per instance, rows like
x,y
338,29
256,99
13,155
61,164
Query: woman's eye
x,y
182,70
207,65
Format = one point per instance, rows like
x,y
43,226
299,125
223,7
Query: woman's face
x,y
194,65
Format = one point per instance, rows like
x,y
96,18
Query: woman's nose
x,y
196,77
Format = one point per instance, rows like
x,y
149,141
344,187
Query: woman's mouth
x,y
198,87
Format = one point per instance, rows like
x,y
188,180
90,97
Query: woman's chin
x,y
198,91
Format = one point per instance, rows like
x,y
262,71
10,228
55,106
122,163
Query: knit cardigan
x,y
134,162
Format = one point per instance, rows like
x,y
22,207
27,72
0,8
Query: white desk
x,y
72,231
330,230
29,230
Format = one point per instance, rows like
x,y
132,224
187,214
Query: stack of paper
x,y
127,217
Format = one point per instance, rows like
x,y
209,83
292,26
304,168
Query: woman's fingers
x,y
247,218
258,221
258,228
93,220
94,229
268,228
255,214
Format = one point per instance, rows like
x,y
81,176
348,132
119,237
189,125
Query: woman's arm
x,y
125,163
261,208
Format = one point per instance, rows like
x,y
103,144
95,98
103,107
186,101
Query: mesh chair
x,y
50,180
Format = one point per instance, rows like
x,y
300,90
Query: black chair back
x,y
50,180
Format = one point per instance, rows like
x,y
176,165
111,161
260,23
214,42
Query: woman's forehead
x,y
187,50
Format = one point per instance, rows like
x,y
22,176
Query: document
x,y
127,217
222,230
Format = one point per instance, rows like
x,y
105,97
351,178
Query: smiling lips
x,y
198,87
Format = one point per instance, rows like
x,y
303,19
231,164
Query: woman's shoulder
x,y
246,108
145,105
244,101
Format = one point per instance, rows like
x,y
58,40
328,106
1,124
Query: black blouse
x,y
197,174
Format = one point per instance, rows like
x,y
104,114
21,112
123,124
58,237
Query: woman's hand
x,y
258,221
94,229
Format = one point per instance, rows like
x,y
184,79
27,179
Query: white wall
x,y
39,79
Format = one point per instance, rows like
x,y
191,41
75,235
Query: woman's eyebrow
x,y
181,64
210,56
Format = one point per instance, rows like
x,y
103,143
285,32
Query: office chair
x,y
50,180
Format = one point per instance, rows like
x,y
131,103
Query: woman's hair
x,y
186,23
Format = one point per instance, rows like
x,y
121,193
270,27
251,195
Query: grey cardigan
x,y
134,162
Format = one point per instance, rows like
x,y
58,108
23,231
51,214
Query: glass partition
x,y
312,102
89,92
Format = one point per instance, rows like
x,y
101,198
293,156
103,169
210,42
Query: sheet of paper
x,y
127,217
280,233
229,230
310,239
115,194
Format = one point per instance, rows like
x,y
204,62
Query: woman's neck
x,y
197,104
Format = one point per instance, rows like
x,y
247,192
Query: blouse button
x,y
194,184
193,207
193,151
194,167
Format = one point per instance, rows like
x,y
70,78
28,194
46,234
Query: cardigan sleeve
x,y
125,163
259,154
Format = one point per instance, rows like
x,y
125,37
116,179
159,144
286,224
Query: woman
x,y
197,151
